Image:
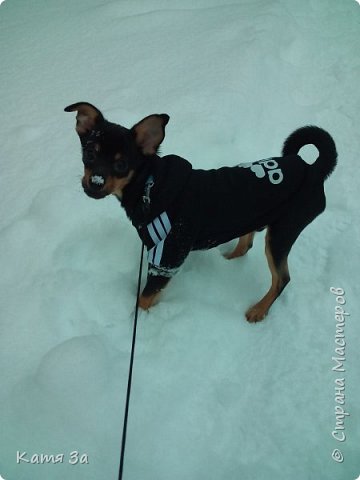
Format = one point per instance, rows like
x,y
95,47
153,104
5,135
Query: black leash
x,y
123,441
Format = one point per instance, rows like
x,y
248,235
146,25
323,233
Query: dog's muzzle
x,y
97,182
94,187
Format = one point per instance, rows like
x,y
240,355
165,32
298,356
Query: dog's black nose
x,y
96,182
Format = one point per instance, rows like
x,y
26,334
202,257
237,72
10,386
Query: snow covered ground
x,y
213,396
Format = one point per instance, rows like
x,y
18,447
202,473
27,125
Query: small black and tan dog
x,y
176,208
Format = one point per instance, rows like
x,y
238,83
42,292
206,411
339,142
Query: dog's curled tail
x,y
326,161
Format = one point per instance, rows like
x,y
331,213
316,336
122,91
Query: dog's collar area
x,y
146,197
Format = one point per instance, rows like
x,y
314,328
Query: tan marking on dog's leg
x,y
146,302
279,279
244,244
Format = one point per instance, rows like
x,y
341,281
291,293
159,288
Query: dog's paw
x,y
255,314
146,302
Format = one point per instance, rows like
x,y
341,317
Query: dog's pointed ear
x,y
150,132
87,116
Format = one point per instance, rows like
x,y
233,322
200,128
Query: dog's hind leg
x,y
280,277
244,244
280,237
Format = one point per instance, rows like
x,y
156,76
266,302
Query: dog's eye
x,y
121,167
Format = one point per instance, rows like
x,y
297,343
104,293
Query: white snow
x,y
97,179
213,397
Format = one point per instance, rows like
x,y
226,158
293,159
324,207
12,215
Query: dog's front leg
x,y
154,285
